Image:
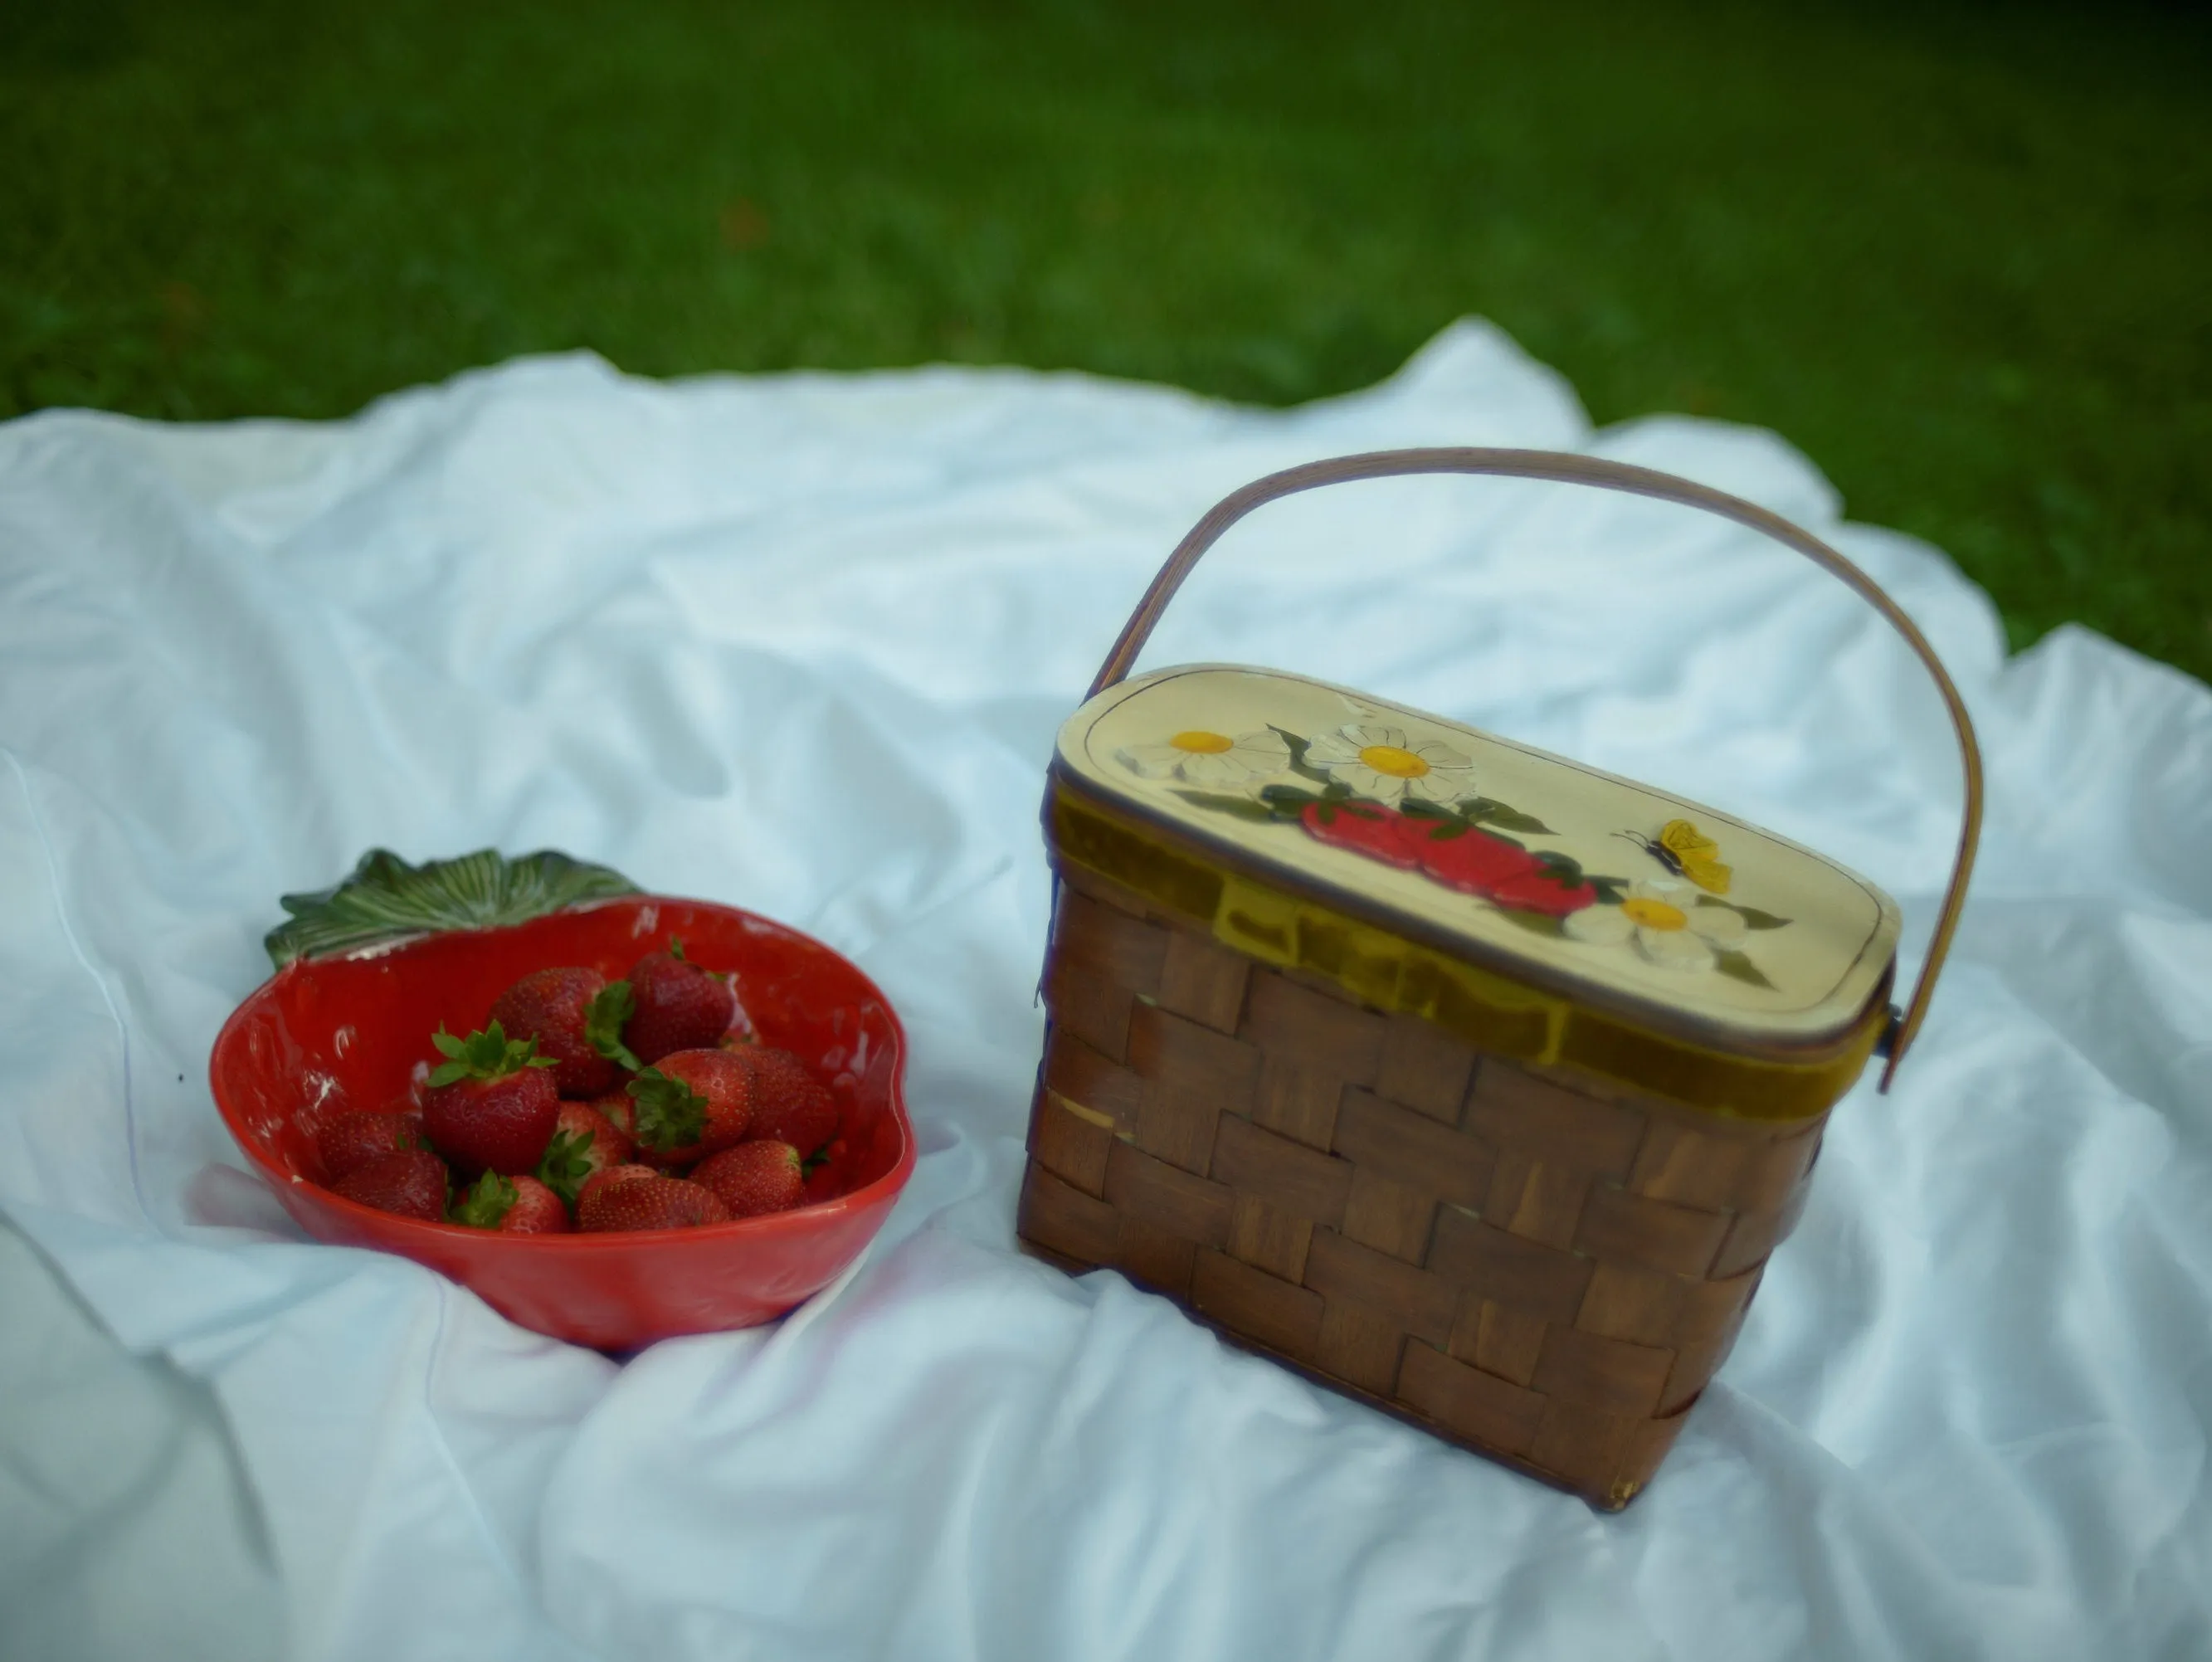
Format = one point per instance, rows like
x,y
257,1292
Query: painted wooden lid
x,y
1529,864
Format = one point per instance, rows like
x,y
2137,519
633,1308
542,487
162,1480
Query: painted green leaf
x,y
1298,746
1485,812
1737,967
1541,923
1564,868
1241,807
1752,917
385,900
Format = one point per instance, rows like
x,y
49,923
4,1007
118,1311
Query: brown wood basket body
x,y
1529,1268
1533,1263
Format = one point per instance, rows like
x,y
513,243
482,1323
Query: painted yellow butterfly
x,y
1685,851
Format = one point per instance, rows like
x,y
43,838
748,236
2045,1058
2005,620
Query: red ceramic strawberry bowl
x,y
348,1028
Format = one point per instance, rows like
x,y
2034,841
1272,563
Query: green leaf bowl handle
x,y
385,901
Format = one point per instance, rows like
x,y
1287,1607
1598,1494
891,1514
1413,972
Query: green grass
x,y
1960,254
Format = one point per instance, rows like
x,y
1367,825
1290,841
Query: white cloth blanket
x,y
801,644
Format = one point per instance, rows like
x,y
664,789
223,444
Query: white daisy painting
x,y
1666,923
1200,757
1387,765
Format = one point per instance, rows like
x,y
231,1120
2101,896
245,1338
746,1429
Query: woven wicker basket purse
x,y
1463,1078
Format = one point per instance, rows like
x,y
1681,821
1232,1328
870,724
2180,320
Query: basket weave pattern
x,y
1531,1264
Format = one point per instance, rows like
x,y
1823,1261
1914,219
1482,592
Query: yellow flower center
x,y
1390,759
1654,914
1199,742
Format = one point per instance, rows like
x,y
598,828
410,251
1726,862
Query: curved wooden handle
x,y
1570,469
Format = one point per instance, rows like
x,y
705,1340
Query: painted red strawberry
x,y
789,1104
576,1016
492,1106
1539,890
585,1142
680,1007
1378,832
1476,862
690,1104
352,1140
512,1205
754,1178
412,1183
656,1202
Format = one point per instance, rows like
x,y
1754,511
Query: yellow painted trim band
x,y
1493,1012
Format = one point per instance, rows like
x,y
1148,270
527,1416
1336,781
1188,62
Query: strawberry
x,y
655,1202
680,1007
754,1178
513,1206
789,1104
608,1178
352,1140
576,1016
691,1103
492,1106
619,1109
584,1143
412,1183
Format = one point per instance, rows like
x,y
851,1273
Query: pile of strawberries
x,y
594,1104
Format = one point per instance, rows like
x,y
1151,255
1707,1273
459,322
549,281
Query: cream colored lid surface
x,y
1506,854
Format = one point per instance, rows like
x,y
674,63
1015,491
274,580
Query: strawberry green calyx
x,y
567,1162
611,1008
676,950
486,1205
487,1054
670,1113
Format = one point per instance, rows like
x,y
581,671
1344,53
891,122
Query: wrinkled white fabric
x,y
801,644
